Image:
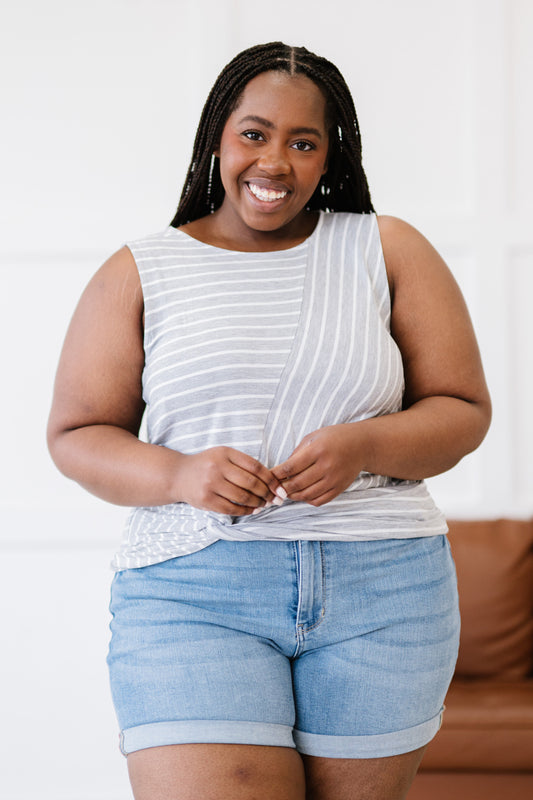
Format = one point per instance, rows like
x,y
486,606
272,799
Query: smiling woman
x,y
285,619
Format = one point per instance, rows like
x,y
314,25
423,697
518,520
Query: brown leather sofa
x,y
484,749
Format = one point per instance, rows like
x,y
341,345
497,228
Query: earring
x,y
210,180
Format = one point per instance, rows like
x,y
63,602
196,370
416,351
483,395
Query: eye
x,y
303,146
254,136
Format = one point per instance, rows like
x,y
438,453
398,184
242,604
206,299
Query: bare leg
x,y
361,779
217,772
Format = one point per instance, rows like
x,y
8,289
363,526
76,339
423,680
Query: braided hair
x,y
343,187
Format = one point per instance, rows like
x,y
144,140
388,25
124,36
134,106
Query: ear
x,y
216,152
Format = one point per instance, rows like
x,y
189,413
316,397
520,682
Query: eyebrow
x,y
266,123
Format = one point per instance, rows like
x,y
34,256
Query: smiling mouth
x,y
266,195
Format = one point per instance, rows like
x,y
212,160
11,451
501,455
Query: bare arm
x,y
446,410
97,410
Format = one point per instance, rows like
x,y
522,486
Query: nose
x,y
273,159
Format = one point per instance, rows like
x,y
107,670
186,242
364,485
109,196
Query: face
x,y
273,152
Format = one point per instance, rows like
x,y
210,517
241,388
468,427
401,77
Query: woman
x,y
285,611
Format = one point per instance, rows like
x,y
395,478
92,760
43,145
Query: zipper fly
x,y
311,588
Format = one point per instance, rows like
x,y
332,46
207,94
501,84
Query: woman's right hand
x,y
226,481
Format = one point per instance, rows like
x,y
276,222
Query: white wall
x,y
100,102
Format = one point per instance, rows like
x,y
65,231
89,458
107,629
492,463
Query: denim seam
x,y
323,587
301,629
297,631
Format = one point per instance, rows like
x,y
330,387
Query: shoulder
x,y
152,241
347,216
116,285
407,251
396,234
348,220
121,265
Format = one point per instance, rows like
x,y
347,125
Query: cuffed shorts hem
x,y
159,734
200,731
377,746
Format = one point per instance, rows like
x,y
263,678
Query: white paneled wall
x,y
99,106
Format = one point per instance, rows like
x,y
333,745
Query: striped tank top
x,y
256,350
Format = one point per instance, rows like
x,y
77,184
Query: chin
x,y
268,225
266,221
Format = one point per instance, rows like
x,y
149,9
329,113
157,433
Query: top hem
x,y
124,561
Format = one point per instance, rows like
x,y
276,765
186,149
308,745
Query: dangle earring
x,y
210,182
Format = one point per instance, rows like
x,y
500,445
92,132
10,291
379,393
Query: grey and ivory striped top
x,y
254,351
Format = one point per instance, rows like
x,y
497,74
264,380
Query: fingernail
x,y
280,491
257,511
277,501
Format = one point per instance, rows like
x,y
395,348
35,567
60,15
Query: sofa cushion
x,y
494,562
487,725
471,786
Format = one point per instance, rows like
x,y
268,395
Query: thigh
x,y
371,679
216,772
361,779
192,661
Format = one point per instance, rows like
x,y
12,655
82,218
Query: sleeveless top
x,y
254,351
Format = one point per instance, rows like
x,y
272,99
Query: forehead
x,y
278,95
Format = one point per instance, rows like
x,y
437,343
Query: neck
x,y
217,230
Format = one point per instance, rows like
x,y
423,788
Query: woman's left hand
x,y
324,464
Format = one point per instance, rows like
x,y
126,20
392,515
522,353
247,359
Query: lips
x,y
267,191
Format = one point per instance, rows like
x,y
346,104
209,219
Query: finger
x,y
241,496
303,480
294,465
318,493
324,498
312,492
263,477
221,505
248,482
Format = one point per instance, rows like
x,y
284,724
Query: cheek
x,y
232,162
227,171
314,172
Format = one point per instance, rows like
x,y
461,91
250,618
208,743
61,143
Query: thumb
x,y
293,465
283,471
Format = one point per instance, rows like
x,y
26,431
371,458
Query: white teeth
x,y
266,195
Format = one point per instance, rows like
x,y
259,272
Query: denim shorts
x,y
339,649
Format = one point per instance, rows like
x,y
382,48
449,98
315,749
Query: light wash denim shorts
x,y
340,649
